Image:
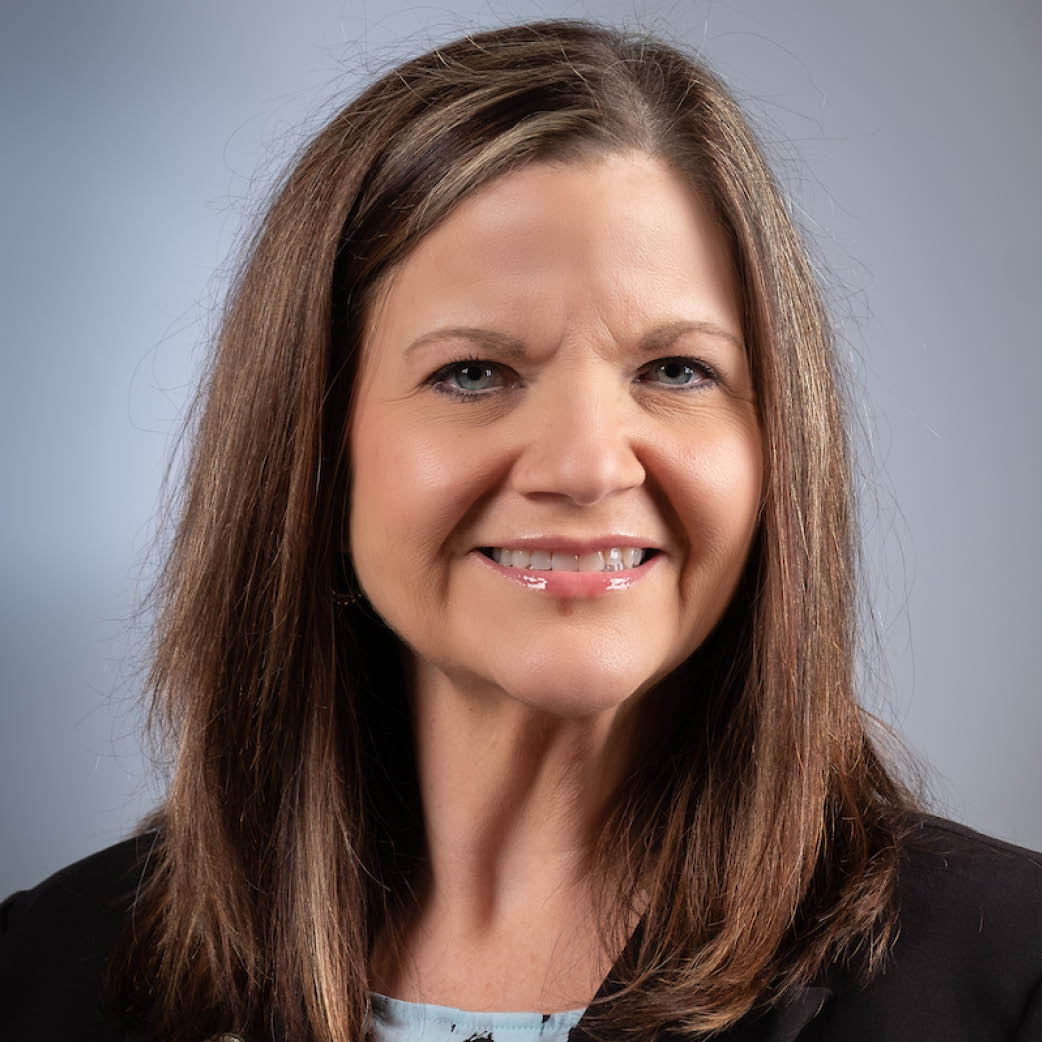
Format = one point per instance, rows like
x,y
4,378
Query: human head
x,y
450,122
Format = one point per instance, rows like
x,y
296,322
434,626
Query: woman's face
x,y
555,451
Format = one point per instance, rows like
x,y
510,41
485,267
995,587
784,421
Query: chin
x,y
577,687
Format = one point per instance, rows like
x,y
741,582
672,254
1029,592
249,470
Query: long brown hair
x,y
761,841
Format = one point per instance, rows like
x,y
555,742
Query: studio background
x,y
139,136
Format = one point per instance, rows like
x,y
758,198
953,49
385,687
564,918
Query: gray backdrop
x,y
138,135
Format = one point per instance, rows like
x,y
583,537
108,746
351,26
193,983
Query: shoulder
x,y
967,961
982,884
93,887
55,938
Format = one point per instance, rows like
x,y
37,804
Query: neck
x,y
513,801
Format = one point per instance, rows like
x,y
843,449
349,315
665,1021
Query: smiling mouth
x,y
612,559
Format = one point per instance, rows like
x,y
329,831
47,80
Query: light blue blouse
x,y
395,1020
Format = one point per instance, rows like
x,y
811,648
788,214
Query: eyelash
x,y
438,380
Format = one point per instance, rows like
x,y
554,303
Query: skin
x,y
526,704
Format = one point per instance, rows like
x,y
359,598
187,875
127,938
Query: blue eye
x,y
468,378
474,377
678,372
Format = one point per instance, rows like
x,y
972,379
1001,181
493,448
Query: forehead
x,y
612,237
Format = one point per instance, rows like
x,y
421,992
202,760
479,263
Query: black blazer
x,y
966,967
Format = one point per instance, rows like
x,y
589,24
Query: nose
x,y
578,444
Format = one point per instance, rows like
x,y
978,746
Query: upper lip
x,y
569,545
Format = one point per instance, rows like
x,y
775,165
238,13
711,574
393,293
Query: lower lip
x,y
571,584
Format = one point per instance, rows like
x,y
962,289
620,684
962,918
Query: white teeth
x,y
614,559
561,562
541,560
593,562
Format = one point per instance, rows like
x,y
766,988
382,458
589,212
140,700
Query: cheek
x,y
720,481
413,485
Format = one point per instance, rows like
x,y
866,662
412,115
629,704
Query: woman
x,y
506,637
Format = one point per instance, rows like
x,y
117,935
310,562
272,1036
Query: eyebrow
x,y
660,338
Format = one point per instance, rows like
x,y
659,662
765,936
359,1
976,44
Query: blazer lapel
x,y
781,1023
794,1017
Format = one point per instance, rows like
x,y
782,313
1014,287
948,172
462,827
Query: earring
x,y
350,593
